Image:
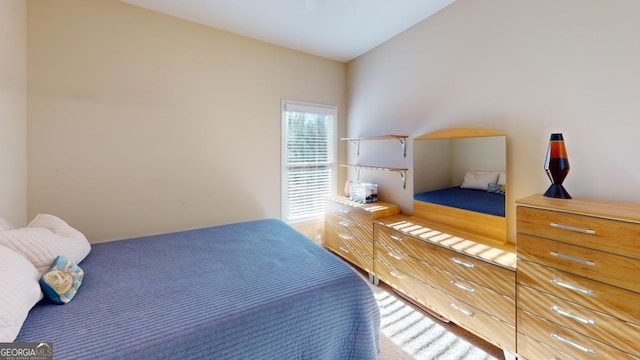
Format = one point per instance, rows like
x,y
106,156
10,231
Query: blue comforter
x,y
467,199
253,290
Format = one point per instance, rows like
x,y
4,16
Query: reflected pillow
x,y
479,180
61,282
502,178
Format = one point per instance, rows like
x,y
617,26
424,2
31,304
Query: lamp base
x,y
557,191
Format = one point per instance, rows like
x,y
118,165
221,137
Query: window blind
x,y
309,159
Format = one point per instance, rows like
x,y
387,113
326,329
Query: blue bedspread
x,y
253,290
467,199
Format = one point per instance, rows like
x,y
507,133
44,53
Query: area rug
x,y
423,337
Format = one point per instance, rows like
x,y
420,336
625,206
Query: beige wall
x,y
143,123
529,68
13,111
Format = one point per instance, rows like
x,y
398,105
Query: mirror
x,y
460,181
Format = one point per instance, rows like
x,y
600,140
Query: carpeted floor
x,y
406,332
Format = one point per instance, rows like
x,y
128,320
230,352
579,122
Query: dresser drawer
x,y
595,295
483,273
396,278
394,239
333,241
361,259
583,320
567,341
613,269
612,236
399,260
477,321
352,219
346,250
494,303
531,349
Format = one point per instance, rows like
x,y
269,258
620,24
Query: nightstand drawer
x,y
613,269
595,295
583,320
612,236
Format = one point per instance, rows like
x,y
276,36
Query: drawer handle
x,y
397,257
466,312
574,317
344,249
460,262
573,228
344,211
344,223
571,343
396,238
462,287
345,237
399,277
573,288
572,258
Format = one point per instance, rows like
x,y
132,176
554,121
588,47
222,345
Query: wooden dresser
x,y
349,228
467,282
578,279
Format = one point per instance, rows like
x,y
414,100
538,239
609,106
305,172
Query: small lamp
x,y
557,167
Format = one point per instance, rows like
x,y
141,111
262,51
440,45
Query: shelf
x,y
401,171
401,138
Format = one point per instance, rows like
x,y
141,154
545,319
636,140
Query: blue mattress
x,y
253,290
467,199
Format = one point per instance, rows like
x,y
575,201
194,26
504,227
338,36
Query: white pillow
x,y
479,179
502,178
5,224
20,292
47,237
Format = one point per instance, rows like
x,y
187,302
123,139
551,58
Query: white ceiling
x,y
336,29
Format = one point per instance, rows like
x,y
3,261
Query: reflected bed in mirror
x,y
460,181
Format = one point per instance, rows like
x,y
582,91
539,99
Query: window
x,y
309,159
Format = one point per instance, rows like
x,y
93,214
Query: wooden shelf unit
x,y
401,171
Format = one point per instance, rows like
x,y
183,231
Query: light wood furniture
x,y
349,228
578,283
468,282
478,225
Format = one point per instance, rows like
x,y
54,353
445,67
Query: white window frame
x,y
297,106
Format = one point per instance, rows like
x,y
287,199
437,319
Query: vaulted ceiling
x,y
336,29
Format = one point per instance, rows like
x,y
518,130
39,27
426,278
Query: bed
x,y
490,203
252,290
